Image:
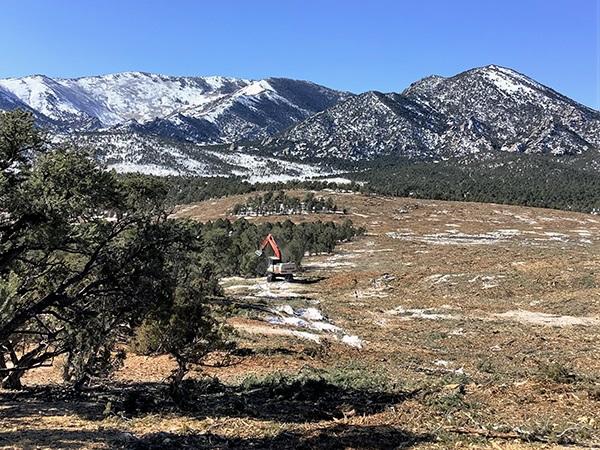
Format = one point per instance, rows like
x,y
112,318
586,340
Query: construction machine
x,y
277,268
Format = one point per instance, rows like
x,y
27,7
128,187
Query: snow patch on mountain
x,y
255,88
477,112
134,152
201,109
144,96
256,168
506,84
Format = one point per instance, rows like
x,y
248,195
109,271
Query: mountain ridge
x,y
114,100
490,108
163,123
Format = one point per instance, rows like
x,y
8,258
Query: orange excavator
x,y
276,268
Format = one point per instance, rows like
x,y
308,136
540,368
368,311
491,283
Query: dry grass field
x,y
447,325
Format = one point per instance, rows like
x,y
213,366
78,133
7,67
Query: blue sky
x,y
356,45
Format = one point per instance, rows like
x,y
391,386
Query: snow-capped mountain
x,y
9,101
257,110
368,125
202,109
160,124
485,109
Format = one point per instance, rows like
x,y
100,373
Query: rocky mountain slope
x,y
219,126
151,154
482,110
198,109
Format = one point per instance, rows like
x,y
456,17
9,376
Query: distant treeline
x,y
228,248
279,203
191,189
527,180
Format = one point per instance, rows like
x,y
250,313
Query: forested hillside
x,y
526,180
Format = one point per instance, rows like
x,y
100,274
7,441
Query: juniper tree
x,y
185,327
84,256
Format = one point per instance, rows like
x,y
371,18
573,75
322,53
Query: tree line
x,y
526,180
191,189
280,203
229,247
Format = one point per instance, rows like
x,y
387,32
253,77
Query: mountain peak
x,y
478,111
256,88
505,79
484,109
498,68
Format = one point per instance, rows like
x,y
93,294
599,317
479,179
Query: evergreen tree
x,y
85,256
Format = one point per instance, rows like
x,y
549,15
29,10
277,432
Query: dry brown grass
x,y
481,321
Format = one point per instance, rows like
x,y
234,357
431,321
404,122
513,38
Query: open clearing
x,y
488,314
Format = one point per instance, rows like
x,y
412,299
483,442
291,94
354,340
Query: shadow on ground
x,y
297,399
308,280
335,437
279,399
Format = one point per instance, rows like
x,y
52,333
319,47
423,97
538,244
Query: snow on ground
x,y
454,237
277,331
150,169
379,287
488,281
306,322
359,251
553,320
258,169
303,318
312,319
353,341
337,180
520,217
259,288
328,265
339,259
418,313
285,316
520,316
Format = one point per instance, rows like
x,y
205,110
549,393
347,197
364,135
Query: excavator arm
x,y
276,268
269,240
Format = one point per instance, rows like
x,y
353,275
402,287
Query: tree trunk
x,y
11,376
13,380
175,381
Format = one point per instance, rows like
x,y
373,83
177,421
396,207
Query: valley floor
x,y
482,321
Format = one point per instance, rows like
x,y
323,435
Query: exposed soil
x,y
488,314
